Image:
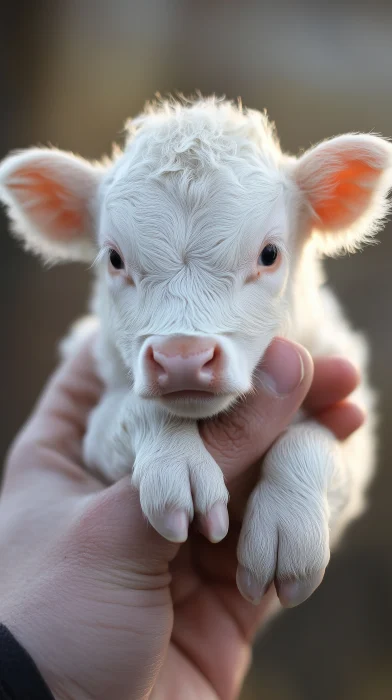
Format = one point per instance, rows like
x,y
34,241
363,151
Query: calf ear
x,y
50,196
345,184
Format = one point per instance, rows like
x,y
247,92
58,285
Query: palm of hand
x,y
209,649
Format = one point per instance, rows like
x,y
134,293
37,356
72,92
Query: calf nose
x,y
184,363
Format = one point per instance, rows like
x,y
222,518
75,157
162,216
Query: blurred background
x,y
70,74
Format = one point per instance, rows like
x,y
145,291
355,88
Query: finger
x,y
60,417
334,379
343,419
238,439
51,441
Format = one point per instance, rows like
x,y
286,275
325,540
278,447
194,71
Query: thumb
x,y
238,439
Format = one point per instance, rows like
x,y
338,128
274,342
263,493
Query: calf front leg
x,y
176,478
285,535
175,475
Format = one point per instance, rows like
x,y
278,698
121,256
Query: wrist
x,y
32,635
19,675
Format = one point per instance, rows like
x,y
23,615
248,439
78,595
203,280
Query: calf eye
x,y
268,255
116,260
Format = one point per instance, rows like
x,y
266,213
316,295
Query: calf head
x,y
196,230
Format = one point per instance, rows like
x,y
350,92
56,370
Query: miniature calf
x,y
206,240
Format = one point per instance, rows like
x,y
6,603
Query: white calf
x,y
206,240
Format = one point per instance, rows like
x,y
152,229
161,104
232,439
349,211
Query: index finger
x,y
61,414
53,435
334,379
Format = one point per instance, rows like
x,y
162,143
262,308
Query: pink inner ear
x,y
349,192
50,202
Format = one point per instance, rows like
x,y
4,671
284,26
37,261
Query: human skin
x,y
106,607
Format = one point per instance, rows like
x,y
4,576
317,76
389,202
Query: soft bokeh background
x,y
70,73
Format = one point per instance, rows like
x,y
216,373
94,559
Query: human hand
x,y
104,605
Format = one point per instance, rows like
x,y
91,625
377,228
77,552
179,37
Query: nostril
x,y
209,369
150,356
154,360
213,359
155,357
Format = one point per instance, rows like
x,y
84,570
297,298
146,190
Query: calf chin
x,y
197,407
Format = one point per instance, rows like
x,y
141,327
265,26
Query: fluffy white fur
x,y
198,191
